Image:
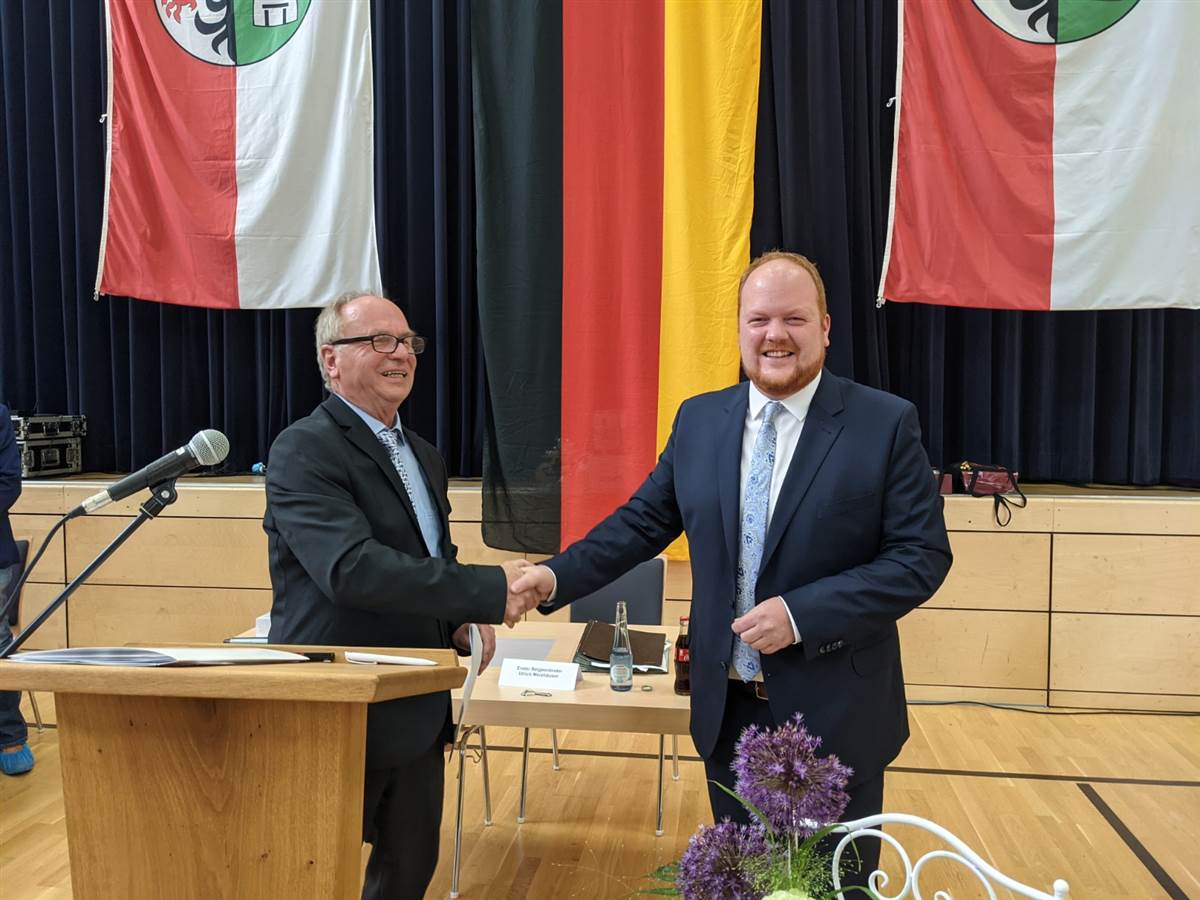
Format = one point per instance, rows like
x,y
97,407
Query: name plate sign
x,y
539,674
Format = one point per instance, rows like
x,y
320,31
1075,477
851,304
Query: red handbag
x,y
997,482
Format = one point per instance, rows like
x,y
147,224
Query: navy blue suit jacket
x,y
856,540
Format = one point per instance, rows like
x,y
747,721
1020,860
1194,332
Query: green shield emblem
x,y
231,32
1054,21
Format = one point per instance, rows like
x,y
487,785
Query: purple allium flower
x,y
780,773
723,862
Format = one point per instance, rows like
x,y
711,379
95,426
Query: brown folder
x,y
597,640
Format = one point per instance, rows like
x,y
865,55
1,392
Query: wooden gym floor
x,y
1110,802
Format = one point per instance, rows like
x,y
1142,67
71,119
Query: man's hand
x,y
767,628
462,640
520,599
538,579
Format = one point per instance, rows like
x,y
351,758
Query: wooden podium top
x,y
335,682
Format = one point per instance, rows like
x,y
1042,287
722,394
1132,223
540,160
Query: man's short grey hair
x,y
329,326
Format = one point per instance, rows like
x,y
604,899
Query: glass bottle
x,y
620,661
683,659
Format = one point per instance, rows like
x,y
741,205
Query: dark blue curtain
x,y
148,375
1079,397
1076,397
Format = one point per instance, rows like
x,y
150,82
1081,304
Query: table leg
x,y
524,777
662,746
674,757
487,782
554,747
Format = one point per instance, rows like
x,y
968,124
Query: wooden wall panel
x,y
38,498
1125,654
471,549
114,615
983,635
673,609
679,580
965,513
53,632
996,571
34,528
1147,574
198,498
466,501
1128,515
973,648
180,552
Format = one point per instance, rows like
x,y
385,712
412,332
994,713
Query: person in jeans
x,y
15,755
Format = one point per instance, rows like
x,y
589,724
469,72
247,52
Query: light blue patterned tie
x,y
426,517
391,442
755,506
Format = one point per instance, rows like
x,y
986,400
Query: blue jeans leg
x,y
13,731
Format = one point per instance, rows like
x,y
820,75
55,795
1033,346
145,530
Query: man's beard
x,y
787,384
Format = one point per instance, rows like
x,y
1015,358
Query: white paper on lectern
x,y
215,656
387,659
158,656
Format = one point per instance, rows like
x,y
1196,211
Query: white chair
x,y
960,853
462,735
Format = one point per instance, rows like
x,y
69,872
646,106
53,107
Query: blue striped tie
x,y
755,507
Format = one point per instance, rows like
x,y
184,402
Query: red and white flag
x,y
1046,155
241,159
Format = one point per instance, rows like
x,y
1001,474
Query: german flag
x,y
614,154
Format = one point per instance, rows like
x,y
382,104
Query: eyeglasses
x,y
386,343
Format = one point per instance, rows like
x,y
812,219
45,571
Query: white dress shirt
x,y
789,422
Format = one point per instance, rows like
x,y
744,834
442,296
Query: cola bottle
x,y
683,659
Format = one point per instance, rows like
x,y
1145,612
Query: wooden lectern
x,y
219,781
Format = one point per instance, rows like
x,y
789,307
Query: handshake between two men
x,y
528,586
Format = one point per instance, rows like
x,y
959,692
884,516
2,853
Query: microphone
x,y
207,448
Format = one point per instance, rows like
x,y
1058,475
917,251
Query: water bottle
x,y
620,661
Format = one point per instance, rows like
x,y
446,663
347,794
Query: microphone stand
x,y
161,496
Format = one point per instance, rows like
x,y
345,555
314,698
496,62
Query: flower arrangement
x,y
793,796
